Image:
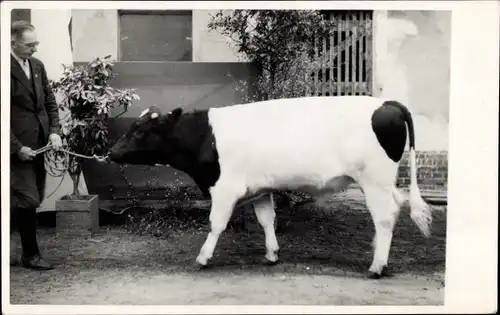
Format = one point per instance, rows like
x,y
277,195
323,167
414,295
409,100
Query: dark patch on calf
x,y
185,141
209,168
193,150
389,125
139,143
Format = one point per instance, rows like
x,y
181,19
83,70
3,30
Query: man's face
x,y
25,46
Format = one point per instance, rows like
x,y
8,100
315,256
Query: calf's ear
x,y
171,117
176,113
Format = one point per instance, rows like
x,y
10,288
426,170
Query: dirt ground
x,y
324,257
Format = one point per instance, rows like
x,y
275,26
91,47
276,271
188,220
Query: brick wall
x,y
432,173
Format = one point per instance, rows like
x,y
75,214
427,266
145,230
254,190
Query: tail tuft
x,y
421,212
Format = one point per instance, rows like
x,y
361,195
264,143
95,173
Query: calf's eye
x,y
138,134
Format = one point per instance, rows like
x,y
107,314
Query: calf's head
x,y
148,140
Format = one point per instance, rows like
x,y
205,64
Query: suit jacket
x,y
33,106
34,115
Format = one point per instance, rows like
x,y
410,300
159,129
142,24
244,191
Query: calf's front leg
x,y
224,197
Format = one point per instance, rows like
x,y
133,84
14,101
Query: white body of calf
x,y
314,144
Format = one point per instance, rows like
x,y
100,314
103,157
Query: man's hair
x,y
18,28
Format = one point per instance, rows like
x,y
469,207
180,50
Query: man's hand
x,y
26,154
55,141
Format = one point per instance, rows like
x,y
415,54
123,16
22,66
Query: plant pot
x,y
78,216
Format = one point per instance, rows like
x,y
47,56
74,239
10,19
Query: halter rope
x,y
57,164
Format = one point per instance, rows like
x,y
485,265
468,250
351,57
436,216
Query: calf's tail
x,y
420,211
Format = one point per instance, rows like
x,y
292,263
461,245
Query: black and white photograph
x,y
287,153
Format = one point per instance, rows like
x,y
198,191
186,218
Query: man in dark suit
x,y
34,124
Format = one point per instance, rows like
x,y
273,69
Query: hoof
x,y
201,263
383,274
200,267
198,264
272,257
268,262
373,275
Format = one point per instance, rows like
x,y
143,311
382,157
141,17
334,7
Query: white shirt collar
x,y
21,61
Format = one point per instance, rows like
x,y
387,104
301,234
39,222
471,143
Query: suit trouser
x,y
25,199
25,220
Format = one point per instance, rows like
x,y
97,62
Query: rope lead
x,y
57,162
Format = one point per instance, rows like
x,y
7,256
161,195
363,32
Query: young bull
x,y
317,145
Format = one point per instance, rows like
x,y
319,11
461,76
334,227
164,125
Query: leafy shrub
x,y
87,100
281,44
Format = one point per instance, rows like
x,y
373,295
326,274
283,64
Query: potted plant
x,y
87,100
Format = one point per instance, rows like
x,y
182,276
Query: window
x,y
160,35
20,14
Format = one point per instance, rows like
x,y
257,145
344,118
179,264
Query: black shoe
x,y
36,262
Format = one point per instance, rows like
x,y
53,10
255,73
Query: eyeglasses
x,y
30,45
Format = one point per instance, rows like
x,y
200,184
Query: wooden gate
x,y
345,57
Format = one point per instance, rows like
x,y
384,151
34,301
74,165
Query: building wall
x,y
53,33
211,46
95,33
412,65
89,40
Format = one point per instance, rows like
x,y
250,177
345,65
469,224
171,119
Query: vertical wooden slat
x,y
368,56
367,62
319,73
353,39
311,77
324,67
315,75
346,49
332,64
352,58
306,82
359,77
339,54
360,54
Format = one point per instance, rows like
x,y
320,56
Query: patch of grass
x,y
165,222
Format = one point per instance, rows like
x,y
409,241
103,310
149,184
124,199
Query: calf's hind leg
x,y
264,210
384,211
